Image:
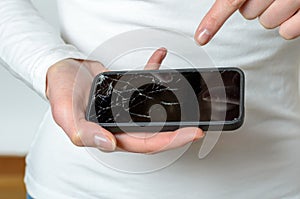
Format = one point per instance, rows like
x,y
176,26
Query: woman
x,y
256,161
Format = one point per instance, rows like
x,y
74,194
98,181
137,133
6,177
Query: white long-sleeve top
x,y
29,45
260,160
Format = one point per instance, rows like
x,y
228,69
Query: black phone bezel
x,y
171,126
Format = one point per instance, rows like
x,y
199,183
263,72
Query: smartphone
x,y
165,100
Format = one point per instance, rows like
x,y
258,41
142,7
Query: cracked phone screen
x,y
161,96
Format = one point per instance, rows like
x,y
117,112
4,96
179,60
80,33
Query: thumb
x,y
93,135
156,59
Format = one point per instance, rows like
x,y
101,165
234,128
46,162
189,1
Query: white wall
x,y
21,109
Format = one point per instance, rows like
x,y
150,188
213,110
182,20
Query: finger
x,y
157,142
80,131
67,96
290,29
92,135
70,117
156,59
251,9
279,12
215,18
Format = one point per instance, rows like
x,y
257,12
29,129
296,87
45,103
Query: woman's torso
x,y
258,160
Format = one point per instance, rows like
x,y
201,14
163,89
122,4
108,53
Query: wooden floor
x,y
11,178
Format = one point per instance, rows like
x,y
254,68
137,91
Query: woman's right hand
x,y
68,86
284,14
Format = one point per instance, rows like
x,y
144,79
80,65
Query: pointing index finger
x,y
215,18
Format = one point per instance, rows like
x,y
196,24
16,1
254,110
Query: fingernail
x,y
163,51
203,37
104,143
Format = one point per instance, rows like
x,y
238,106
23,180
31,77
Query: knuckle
x,y
148,146
248,15
265,24
169,139
234,4
76,140
62,119
213,20
164,144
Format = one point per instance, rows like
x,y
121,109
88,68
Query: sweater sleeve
x,y
29,45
